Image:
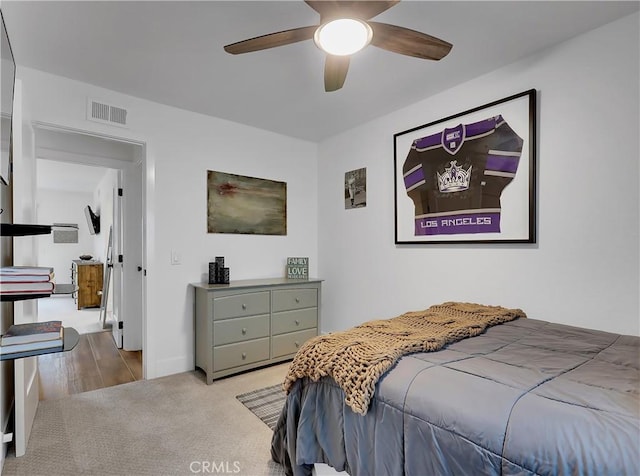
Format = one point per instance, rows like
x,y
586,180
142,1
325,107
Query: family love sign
x,y
298,268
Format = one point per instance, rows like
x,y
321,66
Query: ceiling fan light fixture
x,y
343,37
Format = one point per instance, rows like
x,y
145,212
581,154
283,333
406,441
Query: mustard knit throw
x,y
357,358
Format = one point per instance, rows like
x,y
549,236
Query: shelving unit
x,y
58,289
70,340
22,229
70,335
21,297
18,229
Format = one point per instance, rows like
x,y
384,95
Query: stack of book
x,y
33,338
16,280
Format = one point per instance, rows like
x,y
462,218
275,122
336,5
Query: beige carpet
x,y
174,425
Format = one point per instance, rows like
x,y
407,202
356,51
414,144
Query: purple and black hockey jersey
x,y
455,177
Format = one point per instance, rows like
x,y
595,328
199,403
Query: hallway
x,y
63,308
94,363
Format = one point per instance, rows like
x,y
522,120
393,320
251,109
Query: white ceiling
x,y
171,53
67,176
74,162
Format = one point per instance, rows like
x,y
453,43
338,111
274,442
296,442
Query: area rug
x,y
265,403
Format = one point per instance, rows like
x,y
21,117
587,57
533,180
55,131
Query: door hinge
x,y
120,192
120,258
120,324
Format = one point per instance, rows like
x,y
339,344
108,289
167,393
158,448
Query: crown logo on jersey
x,y
454,178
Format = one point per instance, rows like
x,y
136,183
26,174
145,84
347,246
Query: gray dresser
x,y
251,323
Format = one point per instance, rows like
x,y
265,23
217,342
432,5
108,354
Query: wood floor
x,y
94,363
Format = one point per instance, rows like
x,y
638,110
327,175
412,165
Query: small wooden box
x,y
88,275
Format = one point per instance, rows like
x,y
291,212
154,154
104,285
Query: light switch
x,y
175,257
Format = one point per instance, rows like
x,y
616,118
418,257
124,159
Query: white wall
x,y
583,270
102,205
57,206
181,146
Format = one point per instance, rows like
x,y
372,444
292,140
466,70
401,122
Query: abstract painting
x,y
245,205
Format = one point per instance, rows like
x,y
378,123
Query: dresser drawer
x,y
286,344
240,305
252,323
289,299
291,321
240,329
243,353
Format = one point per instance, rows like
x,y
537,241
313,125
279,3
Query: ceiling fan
x,y
333,13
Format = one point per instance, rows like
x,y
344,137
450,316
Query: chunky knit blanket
x,y
358,357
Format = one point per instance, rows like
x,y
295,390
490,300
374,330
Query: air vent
x,y
99,111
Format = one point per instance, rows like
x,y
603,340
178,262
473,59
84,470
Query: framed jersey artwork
x,y
470,177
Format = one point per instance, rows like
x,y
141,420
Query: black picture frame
x,y
469,177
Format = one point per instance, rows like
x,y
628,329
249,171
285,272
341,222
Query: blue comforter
x,y
527,397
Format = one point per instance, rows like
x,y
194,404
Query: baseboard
x,y
165,367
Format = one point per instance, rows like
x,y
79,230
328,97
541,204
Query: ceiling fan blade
x,y
366,10
272,40
408,42
329,9
335,72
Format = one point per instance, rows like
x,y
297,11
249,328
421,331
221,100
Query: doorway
x,y
76,170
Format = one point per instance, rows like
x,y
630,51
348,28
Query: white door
x,y
128,266
24,253
133,267
116,265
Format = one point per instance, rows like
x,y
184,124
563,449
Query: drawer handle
x,y
297,344
244,306
244,355
244,330
298,300
297,322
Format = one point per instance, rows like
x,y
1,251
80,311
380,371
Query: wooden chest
x,y
87,275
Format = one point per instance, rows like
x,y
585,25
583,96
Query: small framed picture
x,y
355,188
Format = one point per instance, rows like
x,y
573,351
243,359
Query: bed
x,y
525,397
